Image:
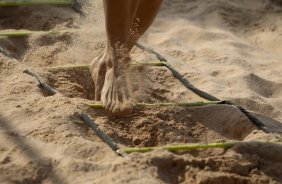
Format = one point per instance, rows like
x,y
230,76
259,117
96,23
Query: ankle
x,y
117,56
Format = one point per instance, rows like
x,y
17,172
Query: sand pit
x,y
227,48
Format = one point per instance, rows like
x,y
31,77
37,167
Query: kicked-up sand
x,y
230,49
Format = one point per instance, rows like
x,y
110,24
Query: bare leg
x,y
126,21
145,15
109,70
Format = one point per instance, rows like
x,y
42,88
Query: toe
x,y
123,109
108,106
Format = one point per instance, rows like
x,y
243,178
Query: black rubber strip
x,y
103,136
160,57
51,91
252,118
189,86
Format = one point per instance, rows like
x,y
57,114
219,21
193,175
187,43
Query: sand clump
x,y
227,48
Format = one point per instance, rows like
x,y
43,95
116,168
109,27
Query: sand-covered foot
x,y
98,69
116,92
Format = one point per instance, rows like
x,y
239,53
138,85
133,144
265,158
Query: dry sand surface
x,y
229,48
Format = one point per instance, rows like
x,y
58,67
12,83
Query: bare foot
x,y
111,83
98,69
115,93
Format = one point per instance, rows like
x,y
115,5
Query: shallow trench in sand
x,y
155,126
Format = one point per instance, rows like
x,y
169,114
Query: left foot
x,y
98,69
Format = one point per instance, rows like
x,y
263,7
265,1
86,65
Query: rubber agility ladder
x,y
120,151
162,61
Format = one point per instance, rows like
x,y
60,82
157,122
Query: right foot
x,y
111,83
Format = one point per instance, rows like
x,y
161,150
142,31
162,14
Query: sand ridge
x,y
226,48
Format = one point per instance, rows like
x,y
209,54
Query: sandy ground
x,y
228,48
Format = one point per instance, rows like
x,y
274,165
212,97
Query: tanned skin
x,y
126,21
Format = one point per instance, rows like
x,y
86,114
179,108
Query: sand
x,y
230,49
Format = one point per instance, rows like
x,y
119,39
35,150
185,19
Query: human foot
x,y
116,90
98,69
111,83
